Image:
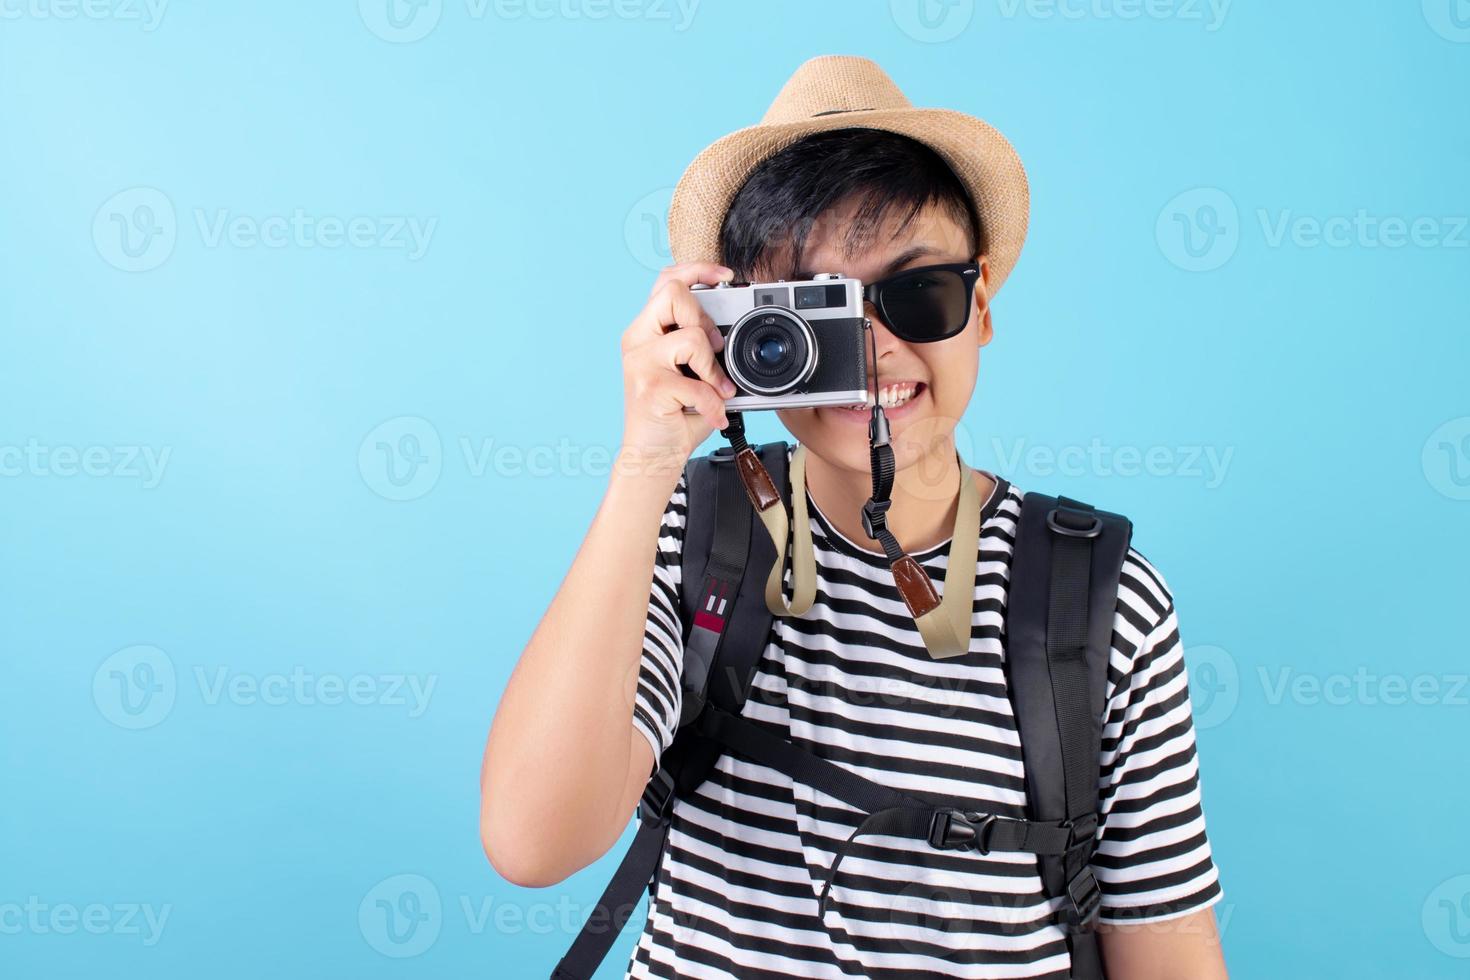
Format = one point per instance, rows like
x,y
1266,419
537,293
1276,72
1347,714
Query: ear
x,y
982,300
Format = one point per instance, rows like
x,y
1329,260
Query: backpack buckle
x,y
1072,523
875,516
951,830
658,798
1081,831
1085,899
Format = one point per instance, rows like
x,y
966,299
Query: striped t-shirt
x,y
737,888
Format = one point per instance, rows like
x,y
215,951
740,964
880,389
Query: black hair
x,y
772,215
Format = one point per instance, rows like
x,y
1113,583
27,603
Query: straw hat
x,y
842,92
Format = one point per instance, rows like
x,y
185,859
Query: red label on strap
x,y
711,614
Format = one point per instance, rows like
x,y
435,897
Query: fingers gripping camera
x,y
791,344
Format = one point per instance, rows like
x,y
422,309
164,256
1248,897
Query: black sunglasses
x,y
925,304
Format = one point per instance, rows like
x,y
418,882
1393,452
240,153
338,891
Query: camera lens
x,y
770,351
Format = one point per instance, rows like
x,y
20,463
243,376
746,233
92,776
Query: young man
x,y
842,176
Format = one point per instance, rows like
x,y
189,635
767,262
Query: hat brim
x,y
980,156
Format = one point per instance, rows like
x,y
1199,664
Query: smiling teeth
x,y
892,396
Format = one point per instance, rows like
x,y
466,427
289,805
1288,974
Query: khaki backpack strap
x,y
769,507
946,626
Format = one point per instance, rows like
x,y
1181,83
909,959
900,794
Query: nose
x,y
884,341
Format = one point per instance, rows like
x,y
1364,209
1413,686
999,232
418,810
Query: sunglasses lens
x,y
927,305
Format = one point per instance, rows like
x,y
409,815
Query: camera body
x,y
792,344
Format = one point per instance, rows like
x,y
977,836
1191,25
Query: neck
x,y
925,498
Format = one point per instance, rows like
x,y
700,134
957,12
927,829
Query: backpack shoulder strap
x,y
1065,568
723,610
723,569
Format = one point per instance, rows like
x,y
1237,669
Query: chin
x,y
840,435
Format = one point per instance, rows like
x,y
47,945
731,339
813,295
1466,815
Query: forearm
x,y
555,785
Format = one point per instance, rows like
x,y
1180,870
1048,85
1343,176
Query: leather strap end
x,y
756,479
914,586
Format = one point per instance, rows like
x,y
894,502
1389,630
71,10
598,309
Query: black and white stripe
x,y
850,680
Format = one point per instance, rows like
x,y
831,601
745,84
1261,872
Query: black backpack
x,y
1063,592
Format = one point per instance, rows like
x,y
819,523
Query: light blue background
x,y
1332,545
